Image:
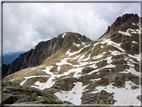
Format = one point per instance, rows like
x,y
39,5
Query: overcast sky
x,y
26,24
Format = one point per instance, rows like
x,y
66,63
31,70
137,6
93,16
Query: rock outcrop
x,y
121,20
13,93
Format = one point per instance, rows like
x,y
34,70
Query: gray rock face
x,y
123,19
86,70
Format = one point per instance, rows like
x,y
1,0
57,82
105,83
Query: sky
x,y
26,24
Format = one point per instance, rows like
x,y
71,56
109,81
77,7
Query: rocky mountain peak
x,y
122,23
126,17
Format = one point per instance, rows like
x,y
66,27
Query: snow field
x,y
73,96
124,96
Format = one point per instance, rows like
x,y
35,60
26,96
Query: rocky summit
x,y
72,69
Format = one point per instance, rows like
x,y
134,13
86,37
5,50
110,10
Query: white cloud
x,y
25,24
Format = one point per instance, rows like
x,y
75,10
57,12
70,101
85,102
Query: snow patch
x,y
133,24
76,71
132,71
48,84
52,76
26,78
76,52
99,56
124,96
135,56
63,61
47,70
63,35
81,57
116,45
95,79
125,33
83,43
134,42
109,60
102,46
95,45
107,66
139,31
116,52
73,96
72,53
77,45
88,58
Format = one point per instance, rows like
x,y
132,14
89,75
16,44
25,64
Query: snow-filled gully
x,y
73,96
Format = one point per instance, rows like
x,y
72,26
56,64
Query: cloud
x,y
26,24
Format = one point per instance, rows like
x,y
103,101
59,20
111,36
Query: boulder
x,y
86,70
117,79
102,97
101,63
8,98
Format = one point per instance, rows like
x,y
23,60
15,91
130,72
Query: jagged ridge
x,y
121,23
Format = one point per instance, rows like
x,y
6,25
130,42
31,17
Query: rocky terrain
x,y
72,69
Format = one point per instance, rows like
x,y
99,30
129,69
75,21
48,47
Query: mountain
x,y
72,69
42,51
